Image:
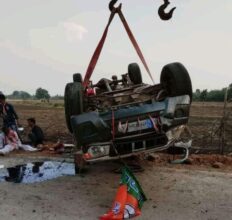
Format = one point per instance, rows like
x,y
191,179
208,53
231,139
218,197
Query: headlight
x,y
98,151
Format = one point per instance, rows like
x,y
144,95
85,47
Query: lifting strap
x,y
100,45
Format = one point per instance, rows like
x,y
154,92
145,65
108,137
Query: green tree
x,y
42,94
25,95
196,95
203,95
19,95
216,95
16,94
230,92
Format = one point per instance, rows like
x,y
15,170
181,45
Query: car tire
x,y
135,73
77,77
176,80
73,101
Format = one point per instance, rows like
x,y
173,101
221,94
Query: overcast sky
x,y
43,42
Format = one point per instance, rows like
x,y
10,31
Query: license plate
x,y
141,125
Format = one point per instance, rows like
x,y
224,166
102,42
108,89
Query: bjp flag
x,y
129,198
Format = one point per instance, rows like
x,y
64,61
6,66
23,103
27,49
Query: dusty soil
x,y
204,123
179,192
194,191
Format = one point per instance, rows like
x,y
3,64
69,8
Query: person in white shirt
x,y
12,142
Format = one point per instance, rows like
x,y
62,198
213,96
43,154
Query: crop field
x,y
205,122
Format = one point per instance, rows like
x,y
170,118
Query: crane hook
x,y
163,15
112,7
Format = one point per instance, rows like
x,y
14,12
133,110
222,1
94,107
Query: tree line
x,y
199,95
40,93
212,95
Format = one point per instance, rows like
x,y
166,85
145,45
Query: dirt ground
x,y
194,191
204,123
173,191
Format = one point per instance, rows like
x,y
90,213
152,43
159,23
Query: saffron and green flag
x,y
129,198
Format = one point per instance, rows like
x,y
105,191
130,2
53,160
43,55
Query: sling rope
x,y
100,45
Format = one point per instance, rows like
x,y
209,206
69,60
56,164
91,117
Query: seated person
x,y
36,135
12,142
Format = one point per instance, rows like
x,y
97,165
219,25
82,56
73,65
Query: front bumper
x,y
102,151
89,159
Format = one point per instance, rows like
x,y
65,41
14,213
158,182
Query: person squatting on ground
x,y
7,112
36,135
10,142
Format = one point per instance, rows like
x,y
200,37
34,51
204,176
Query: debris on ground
x,y
153,157
202,160
217,165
